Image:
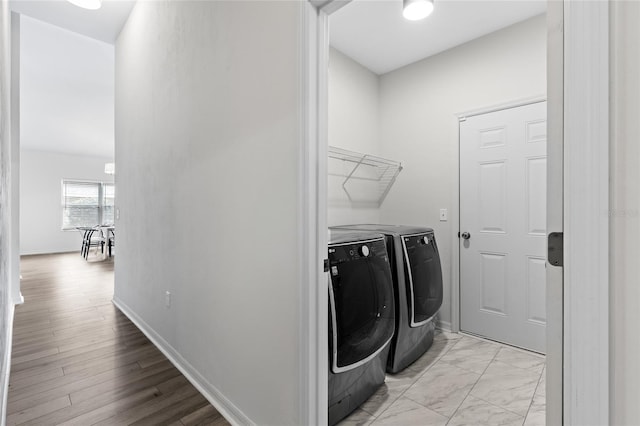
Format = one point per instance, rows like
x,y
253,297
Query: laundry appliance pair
x,y
370,267
417,278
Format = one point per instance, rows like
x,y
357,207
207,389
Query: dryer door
x,y
362,317
422,266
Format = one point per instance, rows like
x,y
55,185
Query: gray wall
x,y
16,297
625,213
418,107
66,90
41,175
353,124
5,207
208,154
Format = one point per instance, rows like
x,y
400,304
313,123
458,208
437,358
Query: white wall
x,y
418,111
41,175
625,214
353,125
16,296
66,91
208,153
6,315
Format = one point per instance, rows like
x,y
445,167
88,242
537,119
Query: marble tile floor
x,y
461,380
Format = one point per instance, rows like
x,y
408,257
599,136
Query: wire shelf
x,y
379,171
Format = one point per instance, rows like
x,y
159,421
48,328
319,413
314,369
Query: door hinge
x,y
555,249
326,265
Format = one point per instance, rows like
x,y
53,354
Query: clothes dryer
x,y
361,319
417,277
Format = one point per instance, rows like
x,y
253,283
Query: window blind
x,y
87,204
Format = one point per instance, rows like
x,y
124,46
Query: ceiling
x,y
103,24
66,91
374,33
67,82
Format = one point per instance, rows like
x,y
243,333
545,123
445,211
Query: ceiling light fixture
x,y
87,4
414,10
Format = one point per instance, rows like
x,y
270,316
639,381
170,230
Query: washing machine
x,y
417,277
361,319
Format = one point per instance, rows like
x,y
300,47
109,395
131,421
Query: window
x,y
87,204
108,203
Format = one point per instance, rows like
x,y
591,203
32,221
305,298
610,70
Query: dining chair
x,y
84,231
111,239
92,238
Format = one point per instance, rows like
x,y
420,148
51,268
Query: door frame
x,y
555,211
585,88
14,191
313,332
580,31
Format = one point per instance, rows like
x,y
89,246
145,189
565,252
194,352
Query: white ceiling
x,y
66,91
374,33
67,80
103,24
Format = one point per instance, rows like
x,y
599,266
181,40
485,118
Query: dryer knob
x,y
364,251
425,240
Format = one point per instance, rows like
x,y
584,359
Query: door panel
x,y
493,197
536,291
503,170
536,209
493,283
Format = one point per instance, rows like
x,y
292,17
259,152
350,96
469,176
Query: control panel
x,y
413,241
355,251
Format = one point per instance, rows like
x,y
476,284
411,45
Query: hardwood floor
x,y
77,360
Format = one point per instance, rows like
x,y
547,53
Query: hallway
x,y
77,360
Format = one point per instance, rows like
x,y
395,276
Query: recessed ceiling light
x,y
87,4
415,10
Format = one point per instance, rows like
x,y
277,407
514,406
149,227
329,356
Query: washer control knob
x,y
364,251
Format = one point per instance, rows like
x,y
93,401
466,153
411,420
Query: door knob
x,y
465,235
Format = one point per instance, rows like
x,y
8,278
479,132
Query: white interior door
x,y
503,168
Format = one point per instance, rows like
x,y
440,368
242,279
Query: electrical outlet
x,y
443,215
167,299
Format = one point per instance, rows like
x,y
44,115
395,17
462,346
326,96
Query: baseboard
x,y
6,367
45,253
232,413
444,325
18,300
